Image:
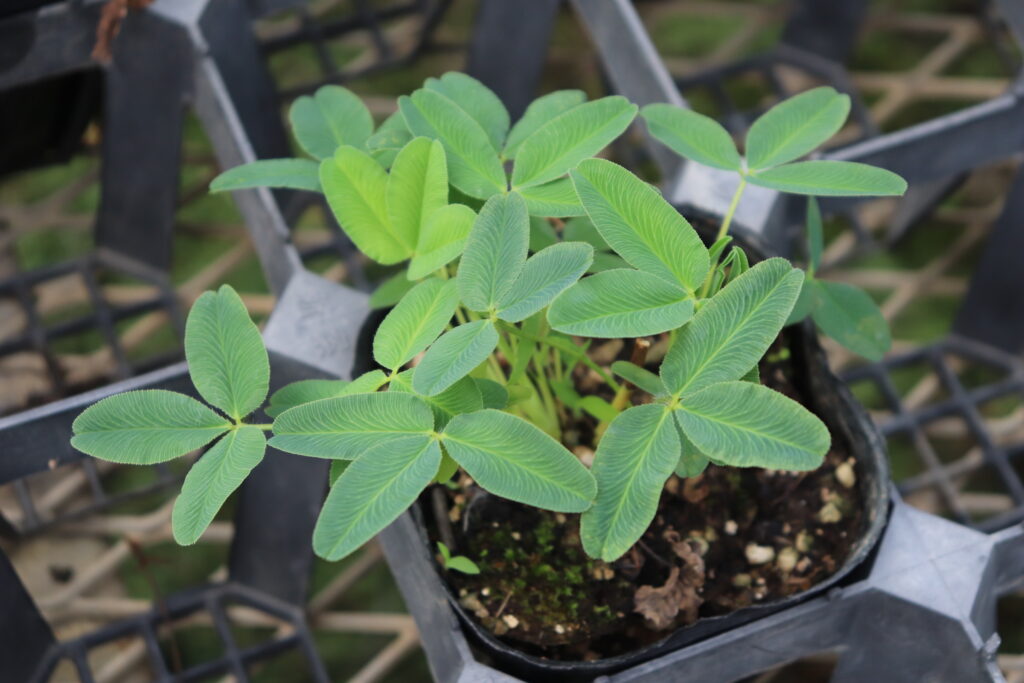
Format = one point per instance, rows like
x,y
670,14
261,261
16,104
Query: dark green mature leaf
x,y
639,224
461,397
734,328
851,317
582,230
692,135
356,189
212,479
226,357
568,139
372,492
391,291
391,137
332,117
309,390
417,187
691,461
495,252
442,239
620,303
513,459
296,174
145,427
641,378
805,303
338,468
633,460
418,319
546,275
343,428
477,100
795,127
540,112
556,199
542,234
747,425
607,261
831,179
493,394
454,356
473,165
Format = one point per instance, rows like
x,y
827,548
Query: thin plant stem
x,y
723,230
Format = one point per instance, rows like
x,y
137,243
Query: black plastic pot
x,y
848,423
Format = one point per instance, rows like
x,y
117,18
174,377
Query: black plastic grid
x,y
290,633
963,380
39,336
365,16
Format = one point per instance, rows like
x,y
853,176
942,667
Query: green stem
x,y
583,358
723,230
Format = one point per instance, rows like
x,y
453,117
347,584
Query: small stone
x,y
510,620
731,527
500,628
788,558
672,485
741,580
804,541
485,591
473,604
829,514
559,629
759,554
560,518
604,573
803,565
517,536
845,475
710,534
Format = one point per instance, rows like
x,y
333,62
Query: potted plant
x,y
608,439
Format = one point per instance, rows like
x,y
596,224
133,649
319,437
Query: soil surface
x,y
724,540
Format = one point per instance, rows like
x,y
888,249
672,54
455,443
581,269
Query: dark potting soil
x,y
727,539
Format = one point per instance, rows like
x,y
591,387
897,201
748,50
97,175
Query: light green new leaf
x,y
640,377
748,425
296,174
226,357
568,139
372,492
494,395
212,479
692,136
145,427
461,397
473,165
343,428
462,564
446,470
733,329
598,407
555,199
356,189
831,179
620,303
332,117
633,460
495,252
546,275
513,459
391,291
851,317
418,319
442,239
639,224
540,112
795,127
309,390
477,100
453,356
417,187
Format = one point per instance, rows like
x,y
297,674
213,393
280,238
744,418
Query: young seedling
x,y
784,133
479,357
458,563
